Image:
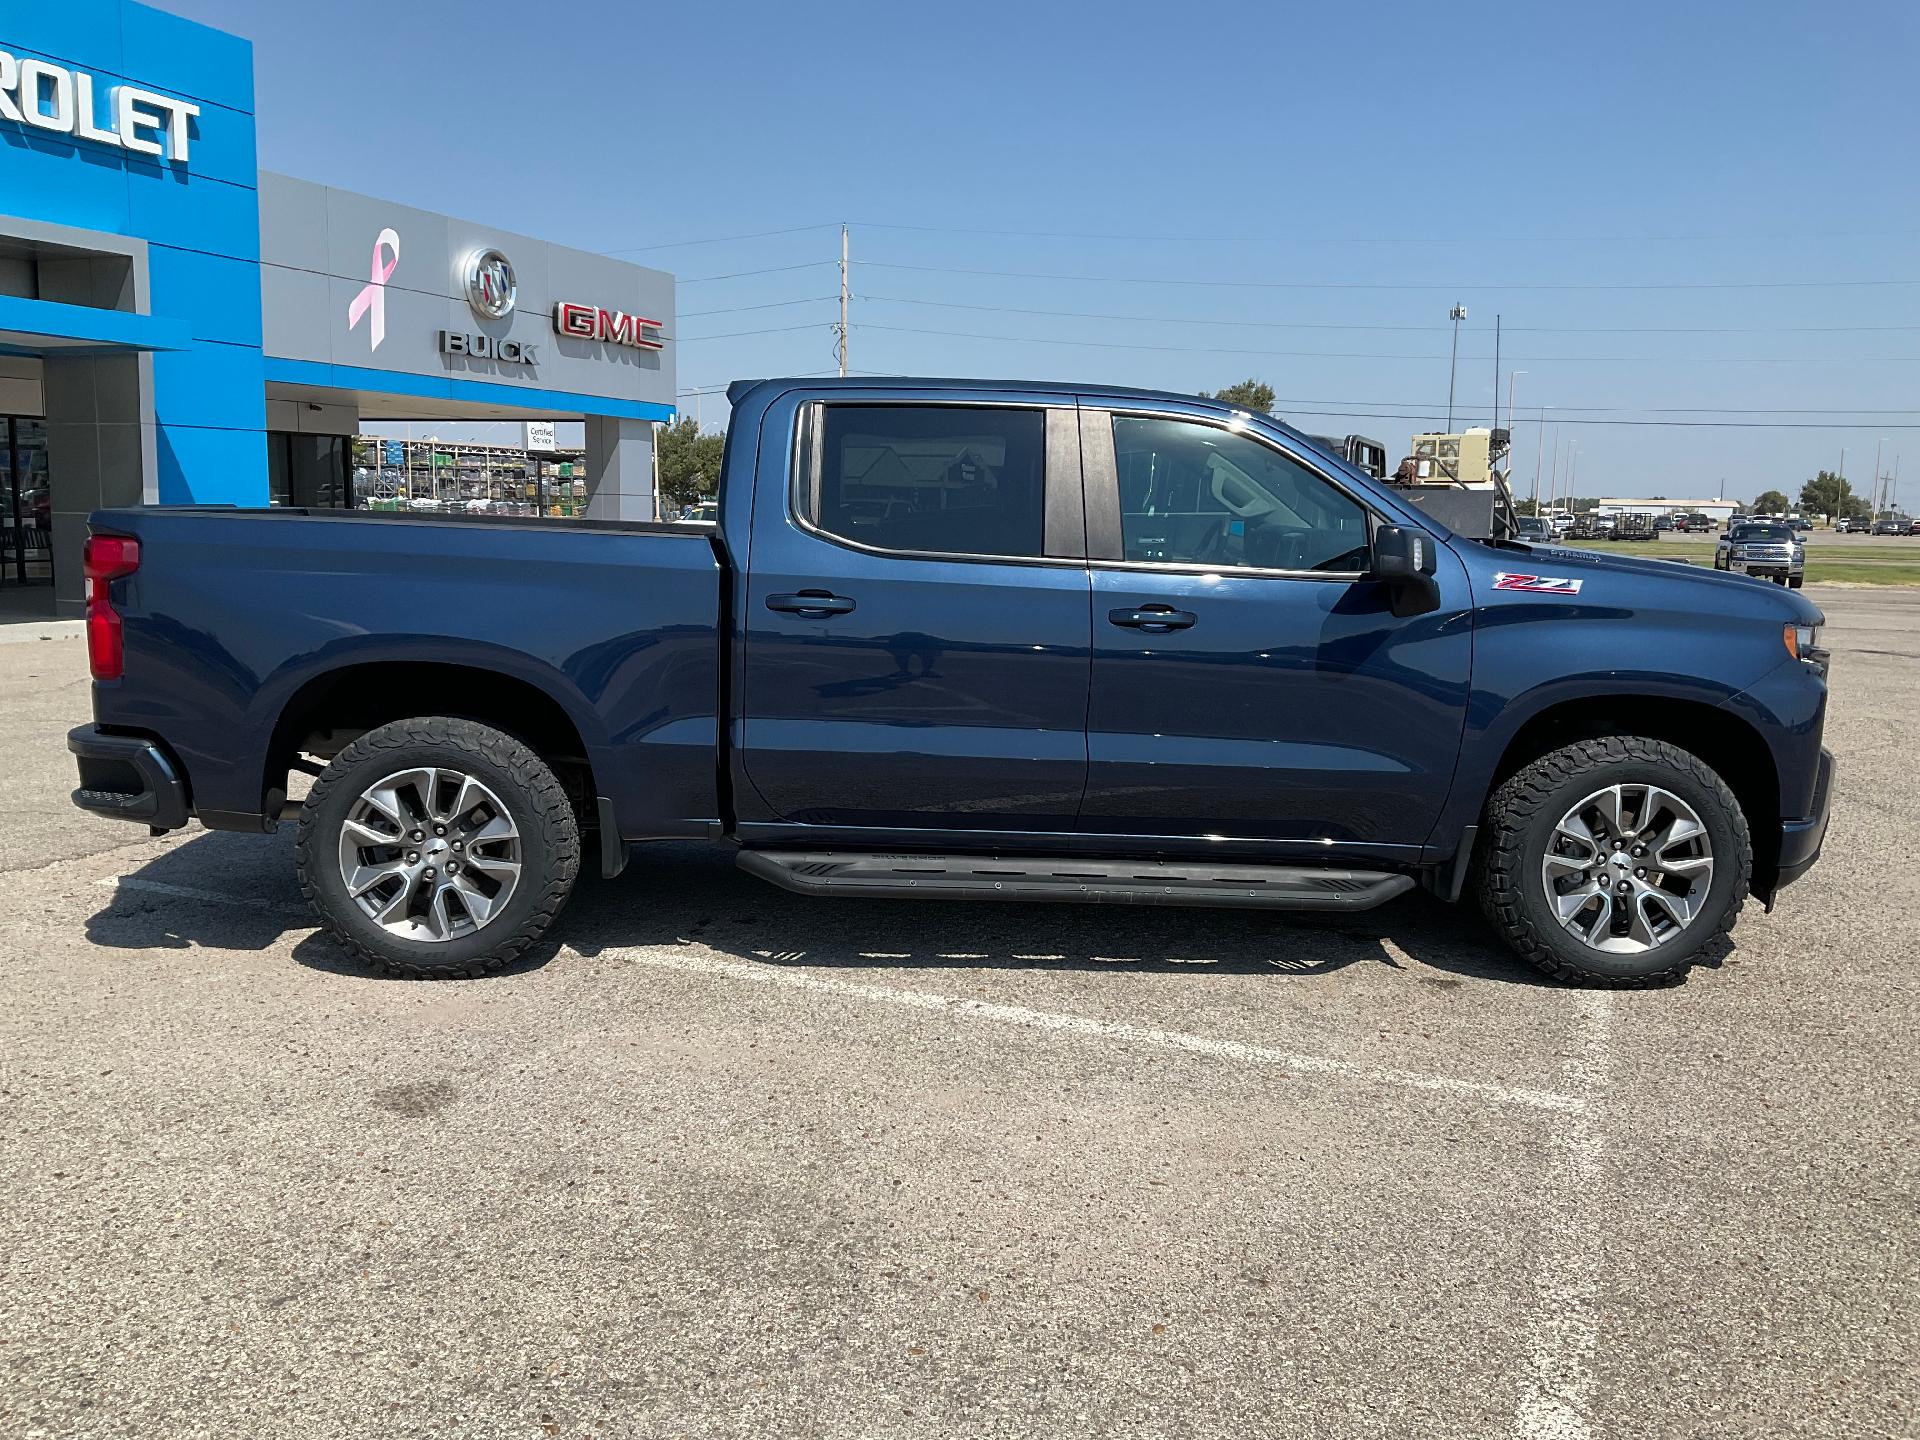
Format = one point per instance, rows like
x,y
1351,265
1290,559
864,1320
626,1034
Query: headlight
x,y
1801,640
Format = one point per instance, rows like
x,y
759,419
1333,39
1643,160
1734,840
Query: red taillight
x,y
106,558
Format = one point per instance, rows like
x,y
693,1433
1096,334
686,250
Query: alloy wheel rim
x,y
429,854
1628,869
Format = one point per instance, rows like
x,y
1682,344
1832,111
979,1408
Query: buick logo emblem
x,y
490,284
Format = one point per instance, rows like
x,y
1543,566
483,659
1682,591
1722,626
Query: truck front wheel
x,y
1614,861
437,848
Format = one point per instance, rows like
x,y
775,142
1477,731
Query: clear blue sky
x,y
1459,152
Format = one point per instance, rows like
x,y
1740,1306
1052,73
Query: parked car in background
x,y
1696,524
1891,525
1662,523
1770,550
1847,525
1069,643
1913,526
1532,527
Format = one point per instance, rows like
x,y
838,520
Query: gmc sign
x,y
590,322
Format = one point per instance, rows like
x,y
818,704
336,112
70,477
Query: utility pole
x,y
1553,481
1456,314
1876,471
1496,379
842,347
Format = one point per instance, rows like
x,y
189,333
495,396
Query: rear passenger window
x,y
942,479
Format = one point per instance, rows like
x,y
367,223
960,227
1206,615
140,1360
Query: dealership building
x,y
179,327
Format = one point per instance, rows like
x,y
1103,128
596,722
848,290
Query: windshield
x,y
1763,532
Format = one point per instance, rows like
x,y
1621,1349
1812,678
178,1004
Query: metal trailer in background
x,y
1637,525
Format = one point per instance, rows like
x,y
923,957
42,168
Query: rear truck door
x,y
916,627
1249,682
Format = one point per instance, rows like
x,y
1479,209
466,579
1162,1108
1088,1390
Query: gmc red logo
x,y
590,322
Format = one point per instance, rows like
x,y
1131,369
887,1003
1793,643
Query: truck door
x,y
917,625
1249,681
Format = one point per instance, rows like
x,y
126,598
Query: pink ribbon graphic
x,y
373,298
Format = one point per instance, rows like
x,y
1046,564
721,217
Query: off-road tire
x,y
1514,834
549,837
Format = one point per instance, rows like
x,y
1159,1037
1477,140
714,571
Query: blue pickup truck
x,y
968,638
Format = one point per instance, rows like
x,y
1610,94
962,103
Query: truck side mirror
x,y
1404,560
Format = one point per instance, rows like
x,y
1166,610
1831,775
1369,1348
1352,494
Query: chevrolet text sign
x,y
591,322
51,97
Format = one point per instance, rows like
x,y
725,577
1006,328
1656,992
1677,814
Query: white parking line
x,y
778,977
1556,1393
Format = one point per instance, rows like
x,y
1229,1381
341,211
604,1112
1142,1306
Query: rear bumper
x,y
128,777
1800,840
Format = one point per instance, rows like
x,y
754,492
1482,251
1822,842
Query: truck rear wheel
x,y
437,848
1614,862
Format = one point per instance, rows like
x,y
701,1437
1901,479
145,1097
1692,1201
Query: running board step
x,y
1054,877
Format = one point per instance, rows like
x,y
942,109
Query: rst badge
x,y
1539,584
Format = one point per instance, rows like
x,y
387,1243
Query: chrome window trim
x,y
1369,513
809,457
1178,567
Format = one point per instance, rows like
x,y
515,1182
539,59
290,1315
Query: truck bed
x,y
236,617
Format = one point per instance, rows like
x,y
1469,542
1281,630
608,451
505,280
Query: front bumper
x,y
1766,569
128,777
1800,840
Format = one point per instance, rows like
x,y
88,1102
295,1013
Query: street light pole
x,y
1539,448
1456,314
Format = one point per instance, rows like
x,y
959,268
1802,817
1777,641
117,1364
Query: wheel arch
x,y
1724,740
329,710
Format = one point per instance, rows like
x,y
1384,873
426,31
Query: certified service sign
x,y
491,289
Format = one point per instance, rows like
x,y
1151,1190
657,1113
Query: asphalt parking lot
x,y
730,1162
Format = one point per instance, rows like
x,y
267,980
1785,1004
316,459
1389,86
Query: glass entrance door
x,y
26,503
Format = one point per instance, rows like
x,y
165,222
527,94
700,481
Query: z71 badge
x,y
1540,584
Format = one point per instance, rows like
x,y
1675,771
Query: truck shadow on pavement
x,y
230,892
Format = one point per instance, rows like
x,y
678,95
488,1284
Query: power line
x,y
1297,237
1531,413
1371,355
1434,418
738,334
715,240
741,274
1398,329
770,305
1375,285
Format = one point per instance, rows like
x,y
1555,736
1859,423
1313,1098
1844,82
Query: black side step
x,y
1056,877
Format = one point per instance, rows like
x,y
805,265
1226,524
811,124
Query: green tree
x,y
1830,494
1249,394
689,463
1770,502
